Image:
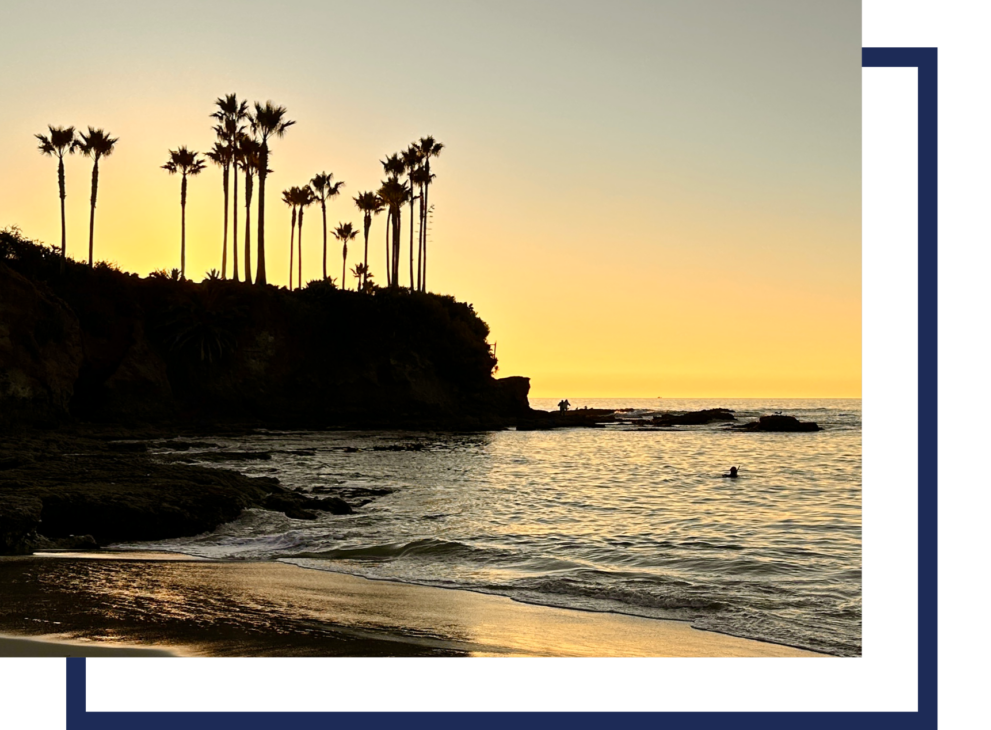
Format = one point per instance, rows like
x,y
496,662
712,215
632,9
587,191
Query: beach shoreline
x,y
172,605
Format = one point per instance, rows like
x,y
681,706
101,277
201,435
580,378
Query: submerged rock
x,y
694,418
785,424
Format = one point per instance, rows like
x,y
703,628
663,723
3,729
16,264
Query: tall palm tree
x,y
95,143
251,163
231,116
420,177
188,163
412,159
393,167
325,188
305,200
429,148
369,204
344,233
61,141
222,154
394,194
266,122
289,197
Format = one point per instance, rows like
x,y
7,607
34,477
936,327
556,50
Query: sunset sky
x,y
642,198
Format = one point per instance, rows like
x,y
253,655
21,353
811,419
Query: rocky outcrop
x,y
783,424
534,420
77,493
693,418
40,351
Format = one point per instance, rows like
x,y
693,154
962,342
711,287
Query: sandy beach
x,y
160,604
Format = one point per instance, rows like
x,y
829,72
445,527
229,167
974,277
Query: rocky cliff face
x,y
98,344
40,351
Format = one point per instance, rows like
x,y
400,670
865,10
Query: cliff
x,y
103,345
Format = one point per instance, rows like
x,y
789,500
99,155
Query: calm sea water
x,y
614,519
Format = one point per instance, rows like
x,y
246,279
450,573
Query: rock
x,y
694,418
40,351
334,505
786,424
535,420
289,505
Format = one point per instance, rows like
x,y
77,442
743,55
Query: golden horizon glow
x,y
662,200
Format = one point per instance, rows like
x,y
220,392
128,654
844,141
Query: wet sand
x,y
115,603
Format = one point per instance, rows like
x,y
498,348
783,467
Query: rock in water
x,y
785,424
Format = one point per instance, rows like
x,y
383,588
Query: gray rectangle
x,y
926,22
890,182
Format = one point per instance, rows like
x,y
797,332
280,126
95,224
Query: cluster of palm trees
x,y
93,143
243,148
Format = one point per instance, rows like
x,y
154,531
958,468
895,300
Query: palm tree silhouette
x,y
95,143
289,197
369,204
61,141
429,148
222,155
358,272
325,189
345,232
231,116
306,199
420,177
394,194
188,163
412,159
267,121
393,167
251,164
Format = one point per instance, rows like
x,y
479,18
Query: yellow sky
x,y
641,199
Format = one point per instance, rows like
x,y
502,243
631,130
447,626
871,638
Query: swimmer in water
x,y
732,473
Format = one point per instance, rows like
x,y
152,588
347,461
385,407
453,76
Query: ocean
x,y
617,519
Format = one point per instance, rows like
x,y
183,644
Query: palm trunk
x,y
397,230
426,226
299,279
61,193
292,237
247,228
388,258
323,206
182,257
260,275
412,204
236,277
344,268
223,264
92,206
368,227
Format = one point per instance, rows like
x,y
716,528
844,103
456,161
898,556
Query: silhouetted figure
x,y
564,405
733,473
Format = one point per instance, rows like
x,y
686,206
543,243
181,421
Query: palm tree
x,y
289,197
394,194
345,232
231,116
412,159
370,204
61,141
325,189
251,164
188,163
429,148
95,143
222,155
420,177
358,272
267,121
393,167
305,200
